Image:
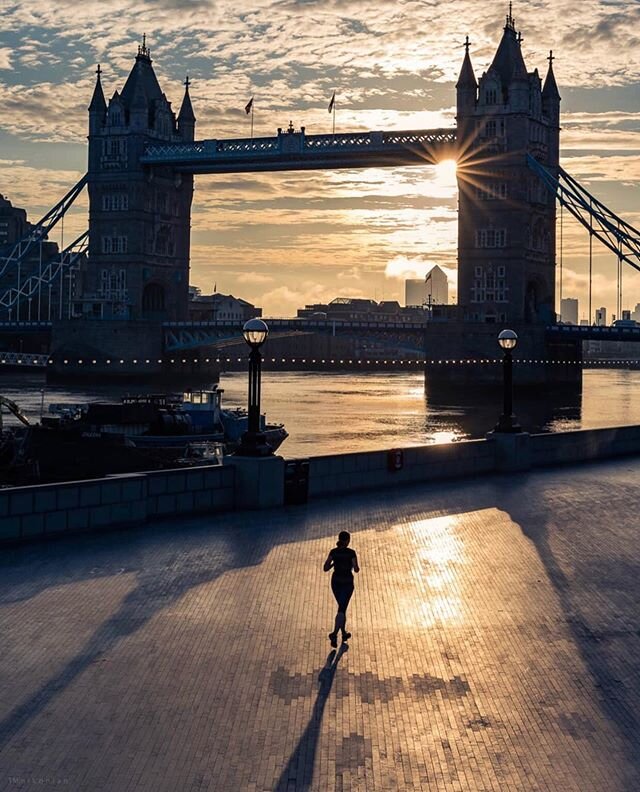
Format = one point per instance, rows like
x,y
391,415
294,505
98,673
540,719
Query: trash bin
x,y
296,481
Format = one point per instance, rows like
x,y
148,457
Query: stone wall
x,y
370,470
342,473
128,499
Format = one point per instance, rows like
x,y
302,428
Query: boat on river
x,y
142,432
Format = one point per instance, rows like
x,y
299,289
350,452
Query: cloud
x,y
253,277
5,58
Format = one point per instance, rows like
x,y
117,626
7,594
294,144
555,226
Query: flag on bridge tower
x,y
332,109
249,109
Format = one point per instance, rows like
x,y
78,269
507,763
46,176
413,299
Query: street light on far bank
x,y
507,422
253,441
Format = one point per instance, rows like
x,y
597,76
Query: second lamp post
x,y
507,422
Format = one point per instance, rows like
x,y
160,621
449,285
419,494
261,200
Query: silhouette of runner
x,y
344,562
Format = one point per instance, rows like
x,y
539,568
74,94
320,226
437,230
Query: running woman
x,y
344,562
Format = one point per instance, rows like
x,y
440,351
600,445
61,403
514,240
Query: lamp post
x,y
253,442
507,422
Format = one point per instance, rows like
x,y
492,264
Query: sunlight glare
x,y
446,173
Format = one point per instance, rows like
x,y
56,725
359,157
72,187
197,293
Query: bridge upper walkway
x,y
298,151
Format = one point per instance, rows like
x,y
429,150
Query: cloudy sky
x,y
283,240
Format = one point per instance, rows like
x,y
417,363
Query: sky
x,y
288,239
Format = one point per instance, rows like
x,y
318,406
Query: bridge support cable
x,y
48,274
590,315
561,253
40,231
608,228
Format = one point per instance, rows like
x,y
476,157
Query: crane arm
x,y
14,410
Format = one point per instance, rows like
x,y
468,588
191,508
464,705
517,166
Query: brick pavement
x,y
496,646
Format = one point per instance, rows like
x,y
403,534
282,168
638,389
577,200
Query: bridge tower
x,y
506,225
139,219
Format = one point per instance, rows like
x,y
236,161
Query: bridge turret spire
x,y
550,91
98,106
144,53
467,85
186,116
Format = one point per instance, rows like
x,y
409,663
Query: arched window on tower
x,y
538,235
153,300
491,93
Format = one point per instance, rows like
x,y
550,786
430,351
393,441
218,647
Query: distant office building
x,y
224,307
601,316
13,223
432,290
626,315
569,310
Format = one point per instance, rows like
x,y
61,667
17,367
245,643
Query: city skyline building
x,y
433,289
601,316
569,310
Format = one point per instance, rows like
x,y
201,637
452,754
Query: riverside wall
x,y
47,510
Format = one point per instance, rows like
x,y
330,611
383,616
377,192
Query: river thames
x,y
328,413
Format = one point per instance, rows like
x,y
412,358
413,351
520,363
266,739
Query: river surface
x,y
327,413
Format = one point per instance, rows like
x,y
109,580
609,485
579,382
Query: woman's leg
x,y
342,592
344,604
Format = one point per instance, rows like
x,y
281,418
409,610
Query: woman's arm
x,y
356,568
328,563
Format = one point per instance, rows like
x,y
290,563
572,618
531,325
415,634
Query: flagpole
x,y
252,103
334,118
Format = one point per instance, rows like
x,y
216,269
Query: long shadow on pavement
x,y
299,768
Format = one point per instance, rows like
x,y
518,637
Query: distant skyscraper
x,y
636,313
13,222
569,310
601,316
435,286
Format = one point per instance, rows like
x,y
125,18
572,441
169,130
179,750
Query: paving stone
x,y
496,646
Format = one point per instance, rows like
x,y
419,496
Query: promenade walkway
x,y
496,646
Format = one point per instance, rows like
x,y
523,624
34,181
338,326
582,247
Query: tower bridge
x,y
142,159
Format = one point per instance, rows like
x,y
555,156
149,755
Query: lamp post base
x,y
508,424
254,444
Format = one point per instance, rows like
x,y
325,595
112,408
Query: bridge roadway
x,y
293,150
496,646
189,335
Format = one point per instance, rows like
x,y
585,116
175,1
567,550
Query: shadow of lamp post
x,y
507,422
253,442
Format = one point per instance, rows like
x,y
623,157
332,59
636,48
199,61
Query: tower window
x,y
115,202
115,148
491,96
491,238
114,244
492,191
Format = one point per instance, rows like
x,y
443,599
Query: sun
x,y
446,171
